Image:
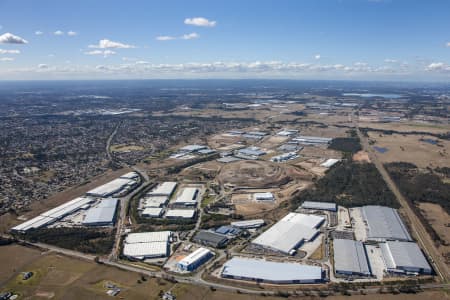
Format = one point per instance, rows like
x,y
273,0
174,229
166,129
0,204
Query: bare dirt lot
x,y
412,148
257,174
440,221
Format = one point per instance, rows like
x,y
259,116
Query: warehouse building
x,y
287,132
115,186
248,224
195,259
180,214
187,197
153,201
55,214
271,272
164,189
251,151
319,205
384,224
192,148
404,257
103,214
330,162
130,175
350,258
210,238
152,212
312,140
290,233
284,157
146,245
263,197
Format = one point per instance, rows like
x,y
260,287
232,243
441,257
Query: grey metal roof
x,y
319,205
210,237
384,223
254,269
101,214
404,255
350,256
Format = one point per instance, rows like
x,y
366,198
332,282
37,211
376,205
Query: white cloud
x,y
72,33
42,66
438,67
317,56
390,61
165,38
129,59
142,62
6,59
38,32
58,32
105,44
200,21
190,36
9,38
6,51
448,44
105,53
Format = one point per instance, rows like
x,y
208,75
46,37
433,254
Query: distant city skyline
x,y
389,40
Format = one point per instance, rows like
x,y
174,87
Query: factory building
x,y
284,157
187,197
103,214
195,259
152,212
271,272
153,201
192,148
248,224
404,257
145,245
263,197
287,132
350,258
384,224
315,205
130,175
210,238
330,162
250,153
312,140
228,230
290,148
54,214
164,189
180,214
115,186
290,233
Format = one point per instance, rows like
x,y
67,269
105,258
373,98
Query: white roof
x,y
152,211
193,148
263,196
289,232
110,188
164,189
248,223
103,213
181,213
143,250
153,201
188,195
329,162
254,269
35,223
194,256
148,237
130,175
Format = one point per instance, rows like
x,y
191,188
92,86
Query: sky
x,y
397,40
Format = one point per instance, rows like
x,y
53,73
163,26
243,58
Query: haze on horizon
x,y
389,40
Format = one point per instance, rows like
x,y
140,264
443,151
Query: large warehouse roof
x,y
195,256
143,250
164,189
111,187
180,213
350,257
405,256
148,237
384,223
188,196
275,272
102,214
287,234
319,205
248,223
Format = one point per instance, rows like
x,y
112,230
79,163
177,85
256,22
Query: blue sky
x,y
317,39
